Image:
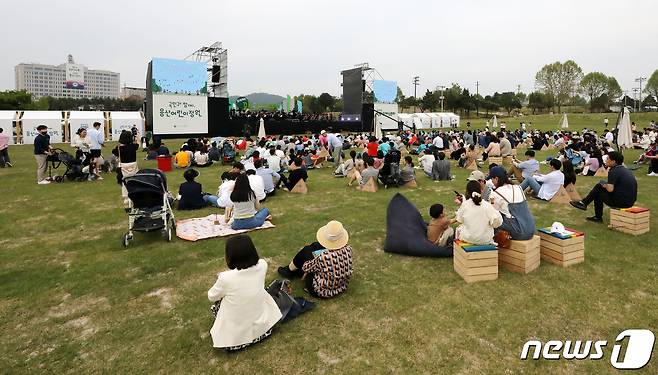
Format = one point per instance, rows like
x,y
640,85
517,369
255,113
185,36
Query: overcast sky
x,y
300,46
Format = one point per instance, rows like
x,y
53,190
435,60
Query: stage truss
x,y
214,56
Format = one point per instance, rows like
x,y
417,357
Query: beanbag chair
x,y
406,232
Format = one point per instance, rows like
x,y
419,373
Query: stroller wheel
x,y
167,234
126,239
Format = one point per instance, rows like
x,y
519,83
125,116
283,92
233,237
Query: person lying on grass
x,y
191,193
477,217
325,265
246,210
246,313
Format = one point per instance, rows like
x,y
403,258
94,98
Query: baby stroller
x,y
150,209
73,168
228,153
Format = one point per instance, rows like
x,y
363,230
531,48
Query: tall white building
x,y
68,80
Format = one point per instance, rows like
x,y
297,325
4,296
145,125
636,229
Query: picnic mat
x,y
213,225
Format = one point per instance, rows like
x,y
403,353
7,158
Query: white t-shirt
x,y
258,186
512,193
609,137
438,142
550,184
274,162
477,222
224,193
426,162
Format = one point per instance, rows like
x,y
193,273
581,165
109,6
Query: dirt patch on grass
x,y
166,299
83,325
70,306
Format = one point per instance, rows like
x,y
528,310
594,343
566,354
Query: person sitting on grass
x,y
247,312
511,202
191,193
369,172
347,167
407,172
182,158
524,169
268,176
441,168
257,184
620,190
213,153
426,160
546,186
477,217
225,189
201,159
439,231
296,173
246,210
569,173
325,265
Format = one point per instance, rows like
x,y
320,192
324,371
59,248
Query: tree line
x,y
22,100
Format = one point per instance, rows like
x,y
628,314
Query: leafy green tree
x,y
649,101
326,101
559,80
613,91
652,84
507,100
399,97
594,85
430,101
15,100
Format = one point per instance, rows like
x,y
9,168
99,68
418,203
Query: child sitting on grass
x,y
438,229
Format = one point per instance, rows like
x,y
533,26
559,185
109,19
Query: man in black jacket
x,y
41,152
619,191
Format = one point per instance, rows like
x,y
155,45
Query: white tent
x,y
564,124
494,122
7,124
32,119
84,119
444,119
406,119
422,120
625,135
124,121
261,129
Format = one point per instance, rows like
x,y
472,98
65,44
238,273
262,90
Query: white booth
x,y
84,119
406,119
387,120
124,121
32,119
7,119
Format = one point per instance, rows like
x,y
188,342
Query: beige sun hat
x,y
332,236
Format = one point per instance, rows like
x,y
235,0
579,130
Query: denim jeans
x,y
252,222
532,183
211,200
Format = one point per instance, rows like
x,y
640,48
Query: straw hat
x,y
332,236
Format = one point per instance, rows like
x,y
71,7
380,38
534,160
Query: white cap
x,y
558,228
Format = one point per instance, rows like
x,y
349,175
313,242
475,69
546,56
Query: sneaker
x,y
579,205
9,164
652,174
43,182
595,219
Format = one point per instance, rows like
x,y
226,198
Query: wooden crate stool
x,y
634,220
495,159
520,256
411,184
300,187
370,186
475,263
601,172
562,250
508,160
561,197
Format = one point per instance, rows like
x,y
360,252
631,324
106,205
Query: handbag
x,y
502,238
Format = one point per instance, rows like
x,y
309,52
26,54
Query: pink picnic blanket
x,y
207,227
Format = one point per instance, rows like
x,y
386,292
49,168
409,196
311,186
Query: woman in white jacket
x,y
247,312
478,218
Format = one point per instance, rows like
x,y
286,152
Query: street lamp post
x,y
640,79
440,89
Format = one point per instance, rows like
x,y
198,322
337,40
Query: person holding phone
x,y
325,265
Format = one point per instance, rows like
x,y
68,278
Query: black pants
x,y
303,256
653,166
4,157
600,196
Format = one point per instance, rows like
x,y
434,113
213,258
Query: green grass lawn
x,y
73,300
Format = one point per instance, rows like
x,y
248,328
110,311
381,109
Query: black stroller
x,y
73,167
150,209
